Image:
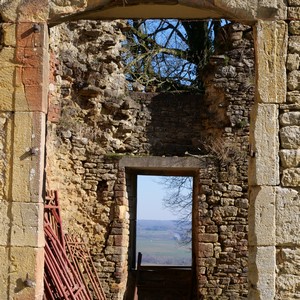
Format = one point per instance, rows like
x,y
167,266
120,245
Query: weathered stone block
x,y
262,265
290,118
271,41
286,286
293,97
208,237
291,177
27,224
293,13
293,62
28,166
289,261
293,81
7,76
294,2
287,221
290,158
293,44
4,271
262,216
9,34
4,223
264,166
23,261
290,137
206,250
294,27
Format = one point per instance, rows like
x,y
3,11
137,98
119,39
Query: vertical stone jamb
x,y
270,47
28,135
23,108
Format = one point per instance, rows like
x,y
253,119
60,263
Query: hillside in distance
x,y
161,242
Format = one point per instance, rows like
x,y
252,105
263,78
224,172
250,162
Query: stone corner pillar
x,y
23,107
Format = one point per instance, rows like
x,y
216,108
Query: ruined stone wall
x,y
287,203
93,122
223,205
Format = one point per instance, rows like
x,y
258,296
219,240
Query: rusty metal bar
x,y
69,270
81,258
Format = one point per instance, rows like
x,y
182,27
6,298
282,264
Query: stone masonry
x,y
273,175
92,126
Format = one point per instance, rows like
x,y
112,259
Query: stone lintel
x,y
262,266
157,164
262,216
264,144
271,39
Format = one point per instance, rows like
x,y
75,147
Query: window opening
x,y
163,231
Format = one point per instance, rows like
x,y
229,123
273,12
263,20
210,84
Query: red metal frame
x,y
63,278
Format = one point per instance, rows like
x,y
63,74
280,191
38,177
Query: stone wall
x,y
287,202
223,206
93,122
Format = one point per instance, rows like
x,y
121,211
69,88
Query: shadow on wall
x,y
176,122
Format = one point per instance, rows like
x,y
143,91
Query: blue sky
x,y
150,195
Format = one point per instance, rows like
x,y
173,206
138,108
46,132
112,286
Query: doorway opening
x,y
164,224
158,274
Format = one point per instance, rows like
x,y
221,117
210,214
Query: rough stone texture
x,y
294,27
262,217
293,61
271,40
294,80
293,97
20,266
290,158
290,118
291,177
293,13
93,124
4,270
4,223
27,165
288,264
287,203
290,137
262,262
287,199
27,228
264,166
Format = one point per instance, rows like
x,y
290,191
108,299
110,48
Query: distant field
x,y
159,242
